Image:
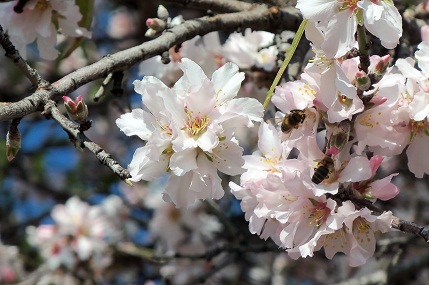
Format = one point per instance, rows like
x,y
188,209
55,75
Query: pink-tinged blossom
x,y
39,21
384,127
308,216
254,48
297,95
338,100
189,131
80,233
206,51
346,169
173,230
11,267
417,92
338,20
87,224
271,154
345,229
381,189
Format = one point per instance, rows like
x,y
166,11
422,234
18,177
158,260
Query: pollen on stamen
x,y
318,215
362,228
365,121
196,126
42,5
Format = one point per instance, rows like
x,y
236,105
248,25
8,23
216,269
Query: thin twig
x,y
202,278
82,141
149,254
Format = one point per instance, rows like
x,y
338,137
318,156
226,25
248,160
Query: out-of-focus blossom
x,y
174,230
40,21
122,24
254,48
80,234
11,269
206,51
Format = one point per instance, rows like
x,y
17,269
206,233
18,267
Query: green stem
x,y
285,63
363,49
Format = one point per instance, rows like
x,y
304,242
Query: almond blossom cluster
x,y
309,184
305,188
189,131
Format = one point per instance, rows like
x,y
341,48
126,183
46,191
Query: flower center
x,y
272,163
218,59
319,214
306,90
362,229
349,4
196,125
344,100
419,127
321,61
42,5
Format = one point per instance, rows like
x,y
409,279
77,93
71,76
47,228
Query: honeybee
x,y
292,121
324,168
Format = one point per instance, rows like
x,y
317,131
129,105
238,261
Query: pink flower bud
x,y
156,24
381,66
77,110
375,163
13,142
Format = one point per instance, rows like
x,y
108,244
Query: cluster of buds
x,y
158,25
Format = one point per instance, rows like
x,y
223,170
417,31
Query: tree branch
x,y
220,6
260,18
410,227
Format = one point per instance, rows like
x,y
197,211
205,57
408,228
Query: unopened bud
x,y
156,24
13,142
381,66
150,33
362,81
162,13
77,110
